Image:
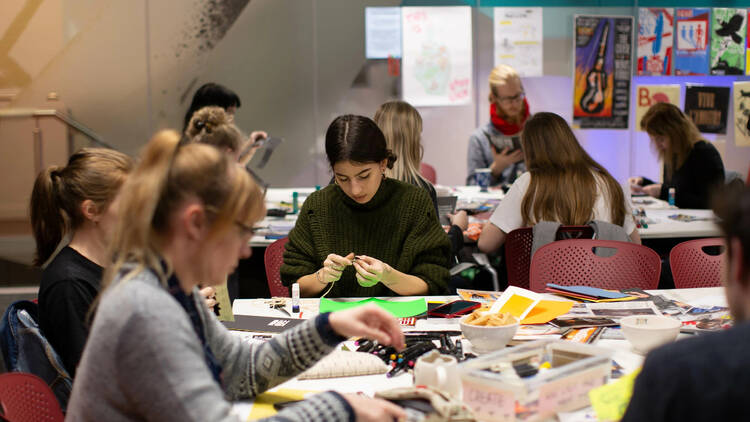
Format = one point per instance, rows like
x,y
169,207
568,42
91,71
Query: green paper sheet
x,y
398,309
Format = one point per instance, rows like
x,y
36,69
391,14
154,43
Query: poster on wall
x,y
437,57
708,107
655,41
518,39
601,91
691,41
742,114
747,50
382,32
648,95
728,32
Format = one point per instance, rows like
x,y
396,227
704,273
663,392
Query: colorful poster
x,y
601,92
747,50
691,41
708,107
518,39
655,41
728,41
437,57
742,114
648,95
382,32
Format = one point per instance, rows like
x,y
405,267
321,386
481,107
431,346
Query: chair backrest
x,y
273,258
518,250
574,262
26,350
428,172
693,267
27,398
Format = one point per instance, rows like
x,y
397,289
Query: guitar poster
x,y
692,41
742,114
601,89
518,39
437,57
728,32
648,95
708,106
655,41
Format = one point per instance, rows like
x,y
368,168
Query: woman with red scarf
x,y
496,145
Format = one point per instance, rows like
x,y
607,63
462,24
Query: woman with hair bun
x,y
78,201
366,234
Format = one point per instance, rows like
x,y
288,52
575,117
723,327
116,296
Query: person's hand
x,y
635,181
371,271
369,321
652,190
257,135
248,148
367,409
460,219
209,296
333,266
505,158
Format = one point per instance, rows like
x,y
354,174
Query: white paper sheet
x,y
382,32
518,39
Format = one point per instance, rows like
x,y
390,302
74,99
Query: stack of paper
x,y
590,294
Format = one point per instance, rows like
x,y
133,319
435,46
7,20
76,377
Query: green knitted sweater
x,y
397,226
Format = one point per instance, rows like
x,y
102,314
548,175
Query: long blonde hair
x,y
55,207
168,174
667,120
402,126
563,185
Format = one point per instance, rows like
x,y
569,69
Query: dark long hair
x,y
211,94
358,139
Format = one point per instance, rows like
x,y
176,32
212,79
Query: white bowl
x,y
487,339
646,332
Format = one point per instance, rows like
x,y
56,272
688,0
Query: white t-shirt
x,y
507,217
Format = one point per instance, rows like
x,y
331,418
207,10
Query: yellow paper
x,y
225,305
547,310
263,404
741,103
611,400
517,305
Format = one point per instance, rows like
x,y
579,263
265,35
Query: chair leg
x,y
484,262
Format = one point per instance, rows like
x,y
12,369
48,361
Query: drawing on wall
x,y
655,41
648,95
518,39
602,71
437,57
728,41
742,114
692,41
708,107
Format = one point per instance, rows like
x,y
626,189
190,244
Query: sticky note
x,y
611,400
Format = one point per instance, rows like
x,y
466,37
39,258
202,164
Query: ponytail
x,y
48,221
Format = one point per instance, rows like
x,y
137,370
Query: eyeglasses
x,y
515,98
245,230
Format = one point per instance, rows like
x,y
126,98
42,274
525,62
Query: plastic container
x,y
504,396
670,197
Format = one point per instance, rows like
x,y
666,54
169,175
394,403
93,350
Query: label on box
x,y
489,403
570,392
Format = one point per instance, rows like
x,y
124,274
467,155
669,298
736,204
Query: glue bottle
x,y
295,298
670,197
295,202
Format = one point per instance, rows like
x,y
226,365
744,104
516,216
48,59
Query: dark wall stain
x,y
208,24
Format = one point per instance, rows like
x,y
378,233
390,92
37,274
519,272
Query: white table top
x,y
661,226
623,352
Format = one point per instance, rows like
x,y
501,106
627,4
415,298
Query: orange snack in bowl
x,y
490,320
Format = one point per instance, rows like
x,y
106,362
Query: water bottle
x,y
670,198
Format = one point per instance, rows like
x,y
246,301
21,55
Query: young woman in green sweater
x,y
365,234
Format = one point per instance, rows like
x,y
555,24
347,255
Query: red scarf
x,y
504,127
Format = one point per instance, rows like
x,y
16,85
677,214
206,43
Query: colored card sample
x,y
602,71
399,309
648,95
437,55
708,107
518,39
691,41
655,29
742,114
728,32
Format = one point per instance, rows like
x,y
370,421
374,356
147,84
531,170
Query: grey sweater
x,y
480,156
144,361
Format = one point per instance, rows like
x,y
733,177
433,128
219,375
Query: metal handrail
x,y
63,117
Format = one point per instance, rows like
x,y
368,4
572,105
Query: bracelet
x,y
317,277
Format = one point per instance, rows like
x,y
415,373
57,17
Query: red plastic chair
x,y
428,172
273,258
574,263
693,267
518,250
26,397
